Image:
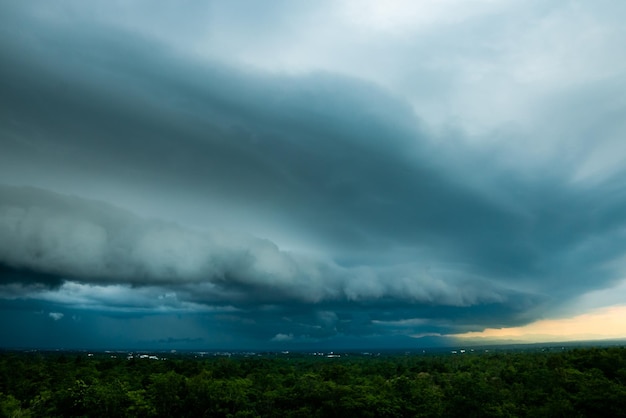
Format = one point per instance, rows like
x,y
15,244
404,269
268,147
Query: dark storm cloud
x,y
90,242
330,158
98,250
27,276
397,227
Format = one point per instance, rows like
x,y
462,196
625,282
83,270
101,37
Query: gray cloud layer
x,y
91,242
314,204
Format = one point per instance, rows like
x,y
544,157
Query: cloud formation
x,y
90,242
56,315
434,169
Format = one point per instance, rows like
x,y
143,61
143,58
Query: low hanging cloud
x,y
282,337
56,315
89,242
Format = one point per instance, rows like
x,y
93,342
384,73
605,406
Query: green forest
x,y
582,382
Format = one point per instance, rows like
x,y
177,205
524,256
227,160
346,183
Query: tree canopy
x,y
588,382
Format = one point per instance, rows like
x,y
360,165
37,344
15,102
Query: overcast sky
x,y
256,174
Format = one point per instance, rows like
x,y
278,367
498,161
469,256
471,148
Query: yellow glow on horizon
x,y
605,323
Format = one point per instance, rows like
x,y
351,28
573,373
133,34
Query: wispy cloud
x,y
56,315
282,337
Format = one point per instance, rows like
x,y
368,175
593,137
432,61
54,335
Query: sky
x,y
294,174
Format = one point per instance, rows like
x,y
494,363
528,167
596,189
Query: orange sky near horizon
x,y
599,324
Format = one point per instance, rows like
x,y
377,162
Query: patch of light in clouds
x,y
599,324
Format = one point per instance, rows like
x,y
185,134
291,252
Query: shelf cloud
x,y
226,175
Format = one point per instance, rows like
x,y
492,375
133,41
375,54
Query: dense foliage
x,y
573,383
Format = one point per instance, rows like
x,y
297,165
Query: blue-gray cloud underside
x,y
407,235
